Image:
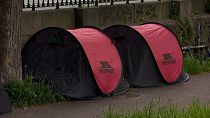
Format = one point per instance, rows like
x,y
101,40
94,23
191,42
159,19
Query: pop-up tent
x,y
5,103
80,63
150,53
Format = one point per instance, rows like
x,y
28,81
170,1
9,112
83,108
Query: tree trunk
x,y
10,40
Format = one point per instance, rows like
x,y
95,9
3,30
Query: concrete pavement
x,y
136,98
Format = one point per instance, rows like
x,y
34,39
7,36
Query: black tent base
x,y
183,78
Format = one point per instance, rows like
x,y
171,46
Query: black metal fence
x,y
34,4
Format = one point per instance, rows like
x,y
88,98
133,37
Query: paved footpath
x,y
182,94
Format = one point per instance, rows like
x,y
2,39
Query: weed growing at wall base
x,y
196,66
28,93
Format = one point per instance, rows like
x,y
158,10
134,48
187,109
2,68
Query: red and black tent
x,y
150,53
80,63
5,103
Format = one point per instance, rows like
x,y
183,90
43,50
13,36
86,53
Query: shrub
x,y
28,93
196,66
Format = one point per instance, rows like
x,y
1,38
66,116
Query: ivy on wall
x,y
186,33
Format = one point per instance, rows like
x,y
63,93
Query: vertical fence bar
x,y
48,3
100,1
92,1
88,3
38,4
142,0
112,2
57,4
43,4
75,2
80,3
62,3
96,2
71,3
84,1
28,4
33,6
127,1
53,3
67,2
24,4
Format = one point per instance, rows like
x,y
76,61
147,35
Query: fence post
x,y
62,3
88,3
33,6
80,3
71,3
142,0
96,3
48,3
28,4
57,4
112,2
127,1
43,5
38,4
67,2
23,4
53,4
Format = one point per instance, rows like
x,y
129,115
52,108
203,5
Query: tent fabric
x,y
5,103
165,48
138,63
103,57
87,62
150,53
67,60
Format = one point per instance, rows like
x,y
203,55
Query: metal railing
x,y
57,4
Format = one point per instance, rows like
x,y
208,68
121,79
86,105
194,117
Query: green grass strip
x,y
195,110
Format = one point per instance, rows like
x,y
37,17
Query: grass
x,y
195,110
196,66
27,93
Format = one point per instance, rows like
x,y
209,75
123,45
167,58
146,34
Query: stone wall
x,y
198,6
122,14
32,21
104,16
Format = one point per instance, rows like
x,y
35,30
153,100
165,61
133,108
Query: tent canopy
x,y
166,49
103,57
80,63
150,53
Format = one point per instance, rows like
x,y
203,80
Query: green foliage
x,y
195,110
174,11
187,33
196,66
28,93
